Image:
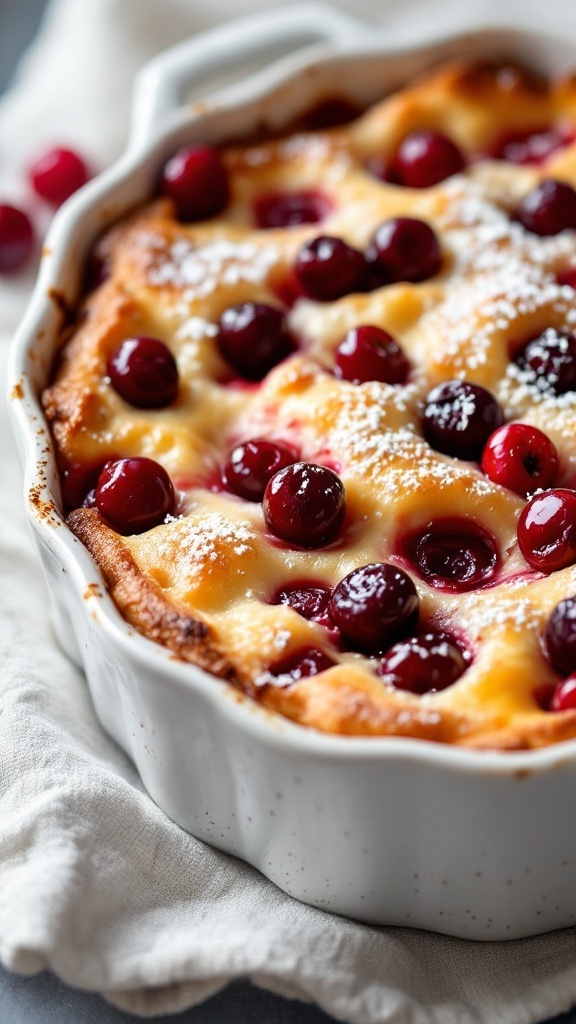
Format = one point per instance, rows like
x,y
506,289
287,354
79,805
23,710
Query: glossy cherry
x,y
134,495
300,665
403,249
16,239
423,664
327,268
426,157
374,606
289,209
452,553
521,458
252,464
549,208
305,504
57,174
548,362
144,373
564,696
532,145
254,337
310,599
370,353
196,179
547,530
560,637
459,418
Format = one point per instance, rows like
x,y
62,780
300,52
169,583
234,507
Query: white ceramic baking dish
x,y
390,831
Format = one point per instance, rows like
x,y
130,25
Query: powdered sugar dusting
x,y
200,269
501,273
200,543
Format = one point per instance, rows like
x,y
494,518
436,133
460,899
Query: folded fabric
x,y
95,882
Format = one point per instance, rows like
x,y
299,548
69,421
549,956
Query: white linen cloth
x,y
95,882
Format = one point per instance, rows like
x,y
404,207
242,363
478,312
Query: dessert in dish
x,y
316,417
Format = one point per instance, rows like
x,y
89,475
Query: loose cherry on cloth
x,y
375,605
187,911
423,664
370,353
57,174
16,239
252,464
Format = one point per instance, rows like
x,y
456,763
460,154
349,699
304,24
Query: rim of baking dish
x,y
73,231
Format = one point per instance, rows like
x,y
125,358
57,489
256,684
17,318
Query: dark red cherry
x,y
374,606
289,209
560,637
549,208
300,665
79,480
330,113
547,530
134,495
426,157
16,239
370,353
327,268
564,696
423,664
309,599
305,504
548,362
57,174
196,179
252,464
143,372
532,145
403,249
568,277
521,458
459,418
253,338
452,554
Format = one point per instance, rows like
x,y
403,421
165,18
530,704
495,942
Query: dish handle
x,y
234,48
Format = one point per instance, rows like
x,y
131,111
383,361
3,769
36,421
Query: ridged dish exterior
x,y
389,831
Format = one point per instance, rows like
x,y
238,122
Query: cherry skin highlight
x,y
144,373
549,208
252,464
300,665
521,458
564,696
253,338
532,146
403,249
196,180
370,353
547,530
289,209
375,605
310,599
560,637
327,268
134,495
305,504
16,239
425,158
423,664
454,554
57,174
548,362
459,418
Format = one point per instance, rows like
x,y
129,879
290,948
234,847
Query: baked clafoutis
x,y
316,416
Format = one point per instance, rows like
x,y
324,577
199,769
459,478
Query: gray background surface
x,y
44,999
